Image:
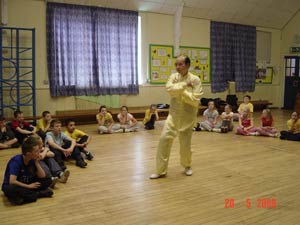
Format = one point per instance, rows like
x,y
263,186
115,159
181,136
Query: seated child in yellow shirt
x,y
245,104
43,124
151,115
106,124
293,132
81,138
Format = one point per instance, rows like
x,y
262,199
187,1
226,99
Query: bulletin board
x,y
200,61
162,61
264,76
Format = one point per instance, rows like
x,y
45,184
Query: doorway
x,y
292,81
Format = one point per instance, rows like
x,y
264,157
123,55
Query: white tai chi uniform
x,y
182,117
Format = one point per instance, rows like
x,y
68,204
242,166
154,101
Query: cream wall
x,y
287,41
288,33
271,92
156,29
32,14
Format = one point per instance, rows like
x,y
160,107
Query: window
x,y
291,66
91,50
140,72
263,47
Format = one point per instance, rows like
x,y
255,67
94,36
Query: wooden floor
x,y
115,189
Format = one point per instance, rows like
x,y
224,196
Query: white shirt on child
x,y
211,115
128,119
230,114
58,139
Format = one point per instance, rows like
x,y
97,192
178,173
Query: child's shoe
x,y
89,156
81,164
63,176
54,181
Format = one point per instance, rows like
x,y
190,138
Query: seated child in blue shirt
x,y
24,179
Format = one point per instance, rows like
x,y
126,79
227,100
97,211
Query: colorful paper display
x,y
162,62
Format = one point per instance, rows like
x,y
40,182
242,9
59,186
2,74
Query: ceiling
x,y
261,13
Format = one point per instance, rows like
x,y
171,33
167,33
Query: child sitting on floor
x,y
151,115
267,124
62,146
20,127
24,179
210,118
246,123
246,103
43,124
7,137
81,138
127,122
227,120
105,122
49,165
293,132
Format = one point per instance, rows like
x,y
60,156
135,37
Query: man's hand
x,y
175,81
189,84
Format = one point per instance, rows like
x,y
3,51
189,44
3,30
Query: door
x,y
292,81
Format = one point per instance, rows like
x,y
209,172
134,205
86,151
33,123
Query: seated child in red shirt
x,y
21,128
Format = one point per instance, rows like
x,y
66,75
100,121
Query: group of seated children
x,y
44,149
246,125
7,136
127,122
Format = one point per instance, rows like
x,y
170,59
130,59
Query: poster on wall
x,y
200,61
162,61
264,75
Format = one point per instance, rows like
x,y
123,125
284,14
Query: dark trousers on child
x,y
81,141
50,167
19,195
286,135
60,157
42,134
21,136
150,124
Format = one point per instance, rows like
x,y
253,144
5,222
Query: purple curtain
x,y
233,49
91,50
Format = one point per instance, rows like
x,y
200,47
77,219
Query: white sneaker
x,y
188,171
156,176
119,131
63,177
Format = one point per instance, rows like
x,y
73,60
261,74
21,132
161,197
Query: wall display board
x,y
264,76
200,61
162,61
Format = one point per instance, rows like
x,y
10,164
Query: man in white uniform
x,y
185,90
